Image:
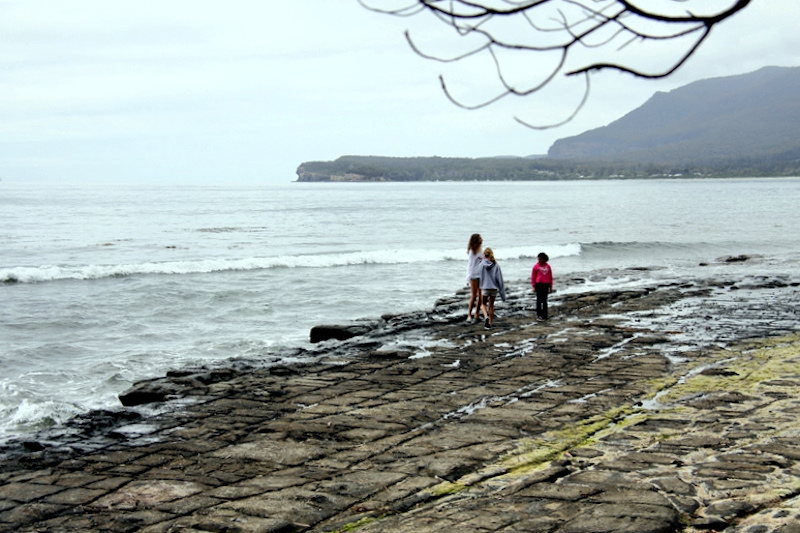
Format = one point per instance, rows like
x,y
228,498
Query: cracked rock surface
x,y
664,408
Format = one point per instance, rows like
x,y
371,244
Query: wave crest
x,y
205,266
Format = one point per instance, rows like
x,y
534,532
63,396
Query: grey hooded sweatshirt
x,y
492,278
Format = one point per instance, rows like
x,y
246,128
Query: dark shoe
x,y
486,323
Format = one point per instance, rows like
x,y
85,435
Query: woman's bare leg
x,y
474,298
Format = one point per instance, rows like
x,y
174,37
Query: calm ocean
x,y
101,286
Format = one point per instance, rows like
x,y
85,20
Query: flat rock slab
x,y
607,417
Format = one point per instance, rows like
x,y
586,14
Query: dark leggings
x,y
542,290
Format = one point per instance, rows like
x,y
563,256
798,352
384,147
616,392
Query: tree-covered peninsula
x,y
738,126
377,169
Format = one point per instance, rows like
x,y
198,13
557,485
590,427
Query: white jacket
x,y
474,265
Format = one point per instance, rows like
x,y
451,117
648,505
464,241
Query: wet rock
x,y
282,370
389,354
33,446
339,332
734,259
451,301
152,391
539,427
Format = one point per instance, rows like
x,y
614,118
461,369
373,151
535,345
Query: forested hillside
x,y
371,168
739,126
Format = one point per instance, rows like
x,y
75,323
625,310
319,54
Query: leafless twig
x,y
598,29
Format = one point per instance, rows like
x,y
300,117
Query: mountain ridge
x,y
727,119
737,126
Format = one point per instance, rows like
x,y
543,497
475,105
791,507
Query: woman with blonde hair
x,y
474,258
491,283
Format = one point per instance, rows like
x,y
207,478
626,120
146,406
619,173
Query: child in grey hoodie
x,y
491,283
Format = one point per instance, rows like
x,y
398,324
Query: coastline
x,y
618,414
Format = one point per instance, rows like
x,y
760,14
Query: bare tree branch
x,y
565,121
596,31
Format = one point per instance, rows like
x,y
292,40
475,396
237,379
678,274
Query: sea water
x,y
104,285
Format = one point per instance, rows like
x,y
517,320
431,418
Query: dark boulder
x,y
339,332
152,391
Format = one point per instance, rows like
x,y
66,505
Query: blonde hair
x,y
489,254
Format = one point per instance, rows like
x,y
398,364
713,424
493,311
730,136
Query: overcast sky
x,y
243,91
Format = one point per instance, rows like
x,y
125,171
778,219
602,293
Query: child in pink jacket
x,y
542,283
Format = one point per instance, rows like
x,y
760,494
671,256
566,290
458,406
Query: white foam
x,y
33,415
22,274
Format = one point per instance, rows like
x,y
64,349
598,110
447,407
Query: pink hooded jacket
x,y
542,274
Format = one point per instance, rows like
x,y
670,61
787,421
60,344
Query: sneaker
x,y
486,323
487,326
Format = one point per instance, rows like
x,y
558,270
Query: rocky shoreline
x,y
662,408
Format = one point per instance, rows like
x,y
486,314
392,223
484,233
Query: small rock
x,y
33,446
734,259
684,504
730,509
710,522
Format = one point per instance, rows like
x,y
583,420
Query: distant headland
x,y
403,169
737,126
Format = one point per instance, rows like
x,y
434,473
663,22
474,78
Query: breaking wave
x,y
204,266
